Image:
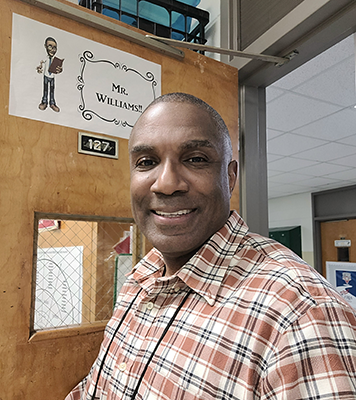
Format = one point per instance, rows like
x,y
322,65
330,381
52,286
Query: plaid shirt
x,y
258,323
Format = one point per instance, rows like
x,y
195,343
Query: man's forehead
x,y
174,115
180,107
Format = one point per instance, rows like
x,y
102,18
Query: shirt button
x,y
149,306
122,366
177,289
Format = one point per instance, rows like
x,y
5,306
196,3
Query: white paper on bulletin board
x,y
59,285
100,88
342,275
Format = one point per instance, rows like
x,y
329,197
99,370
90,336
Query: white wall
x,y
291,211
212,30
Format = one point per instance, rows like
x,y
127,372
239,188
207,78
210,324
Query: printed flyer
x,y
342,275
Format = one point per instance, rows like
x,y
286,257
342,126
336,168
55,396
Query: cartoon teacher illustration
x,y
50,67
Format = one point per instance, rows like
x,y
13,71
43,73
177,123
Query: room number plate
x,y
98,145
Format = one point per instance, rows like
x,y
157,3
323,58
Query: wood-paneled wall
x,y
40,170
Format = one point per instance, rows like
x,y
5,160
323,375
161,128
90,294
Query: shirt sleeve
x,y
315,358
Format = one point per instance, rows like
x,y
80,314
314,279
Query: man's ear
x,y
233,172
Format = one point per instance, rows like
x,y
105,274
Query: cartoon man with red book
x,y
49,67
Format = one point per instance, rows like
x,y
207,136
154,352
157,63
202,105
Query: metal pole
x,y
202,47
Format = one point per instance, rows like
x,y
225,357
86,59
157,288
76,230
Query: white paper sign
x,y
94,88
59,285
342,275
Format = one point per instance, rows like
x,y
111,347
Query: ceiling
x,y
311,125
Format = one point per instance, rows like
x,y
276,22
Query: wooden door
x,y
335,230
41,171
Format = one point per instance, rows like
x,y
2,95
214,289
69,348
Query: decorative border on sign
x,y
88,57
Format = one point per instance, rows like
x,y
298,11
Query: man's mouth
x,y
174,214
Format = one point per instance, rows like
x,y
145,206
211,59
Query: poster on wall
x,y
65,79
59,285
342,275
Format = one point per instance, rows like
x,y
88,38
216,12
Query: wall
x,y
40,170
212,33
292,211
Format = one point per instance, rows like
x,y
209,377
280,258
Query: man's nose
x,y
169,179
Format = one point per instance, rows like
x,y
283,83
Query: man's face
x,y
180,178
51,48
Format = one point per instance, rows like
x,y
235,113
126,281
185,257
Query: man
x,y
48,76
213,311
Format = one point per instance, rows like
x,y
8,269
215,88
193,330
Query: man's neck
x,y
174,264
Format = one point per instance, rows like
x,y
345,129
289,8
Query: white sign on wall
x,y
65,79
342,275
59,285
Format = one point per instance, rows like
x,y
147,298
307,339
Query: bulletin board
x,y
42,171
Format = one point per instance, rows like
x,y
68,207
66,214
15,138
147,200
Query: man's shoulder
x,y
265,263
271,249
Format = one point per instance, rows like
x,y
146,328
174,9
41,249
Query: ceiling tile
x,y
328,152
349,175
349,161
287,164
286,190
320,181
332,127
322,169
271,173
272,194
272,158
274,185
327,59
312,125
292,111
335,85
351,140
272,133
273,92
289,178
289,144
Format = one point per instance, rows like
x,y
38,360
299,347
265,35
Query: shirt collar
x,y
205,271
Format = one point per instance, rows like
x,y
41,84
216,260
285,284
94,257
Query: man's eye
x,y
196,159
146,162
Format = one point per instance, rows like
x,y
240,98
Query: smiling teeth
x,y
172,215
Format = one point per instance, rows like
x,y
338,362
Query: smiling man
x,y
182,176
214,311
